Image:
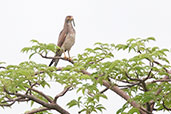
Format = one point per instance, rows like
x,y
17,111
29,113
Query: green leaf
x,y
133,110
72,103
34,41
151,38
31,55
32,102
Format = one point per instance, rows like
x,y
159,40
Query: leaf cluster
x,y
138,76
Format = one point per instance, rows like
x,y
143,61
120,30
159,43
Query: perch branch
x,y
57,57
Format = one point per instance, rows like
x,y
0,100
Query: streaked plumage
x,y
66,39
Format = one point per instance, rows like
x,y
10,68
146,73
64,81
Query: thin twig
x,y
104,90
161,80
135,79
2,67
169,109
148,76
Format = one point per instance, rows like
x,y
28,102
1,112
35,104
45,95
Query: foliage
x,y
144,77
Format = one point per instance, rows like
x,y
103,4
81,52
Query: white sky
x,y
110,21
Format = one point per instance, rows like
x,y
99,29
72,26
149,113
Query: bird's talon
x,y
66,58
70,59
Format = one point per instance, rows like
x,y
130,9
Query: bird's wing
x,y
61,40
62,37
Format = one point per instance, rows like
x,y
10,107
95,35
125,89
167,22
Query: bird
x,y
66,40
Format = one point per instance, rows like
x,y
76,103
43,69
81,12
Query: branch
x,y
125,96
39,101
58,57
101,92
161,65
61,94
96,61
18,99
2,67
121,93
161,80
37,110
148,76
159,91
43,103
40,72
31,86
104,90
169,109
8,105
135,79
42,94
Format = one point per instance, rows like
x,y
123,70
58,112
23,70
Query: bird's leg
x,y
70,59
65,55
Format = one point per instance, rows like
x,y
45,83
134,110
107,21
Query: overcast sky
x,y
109,21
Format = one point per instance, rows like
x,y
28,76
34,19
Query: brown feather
x,y
61,39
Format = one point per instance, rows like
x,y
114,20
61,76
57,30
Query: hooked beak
x,y
71,19
73,22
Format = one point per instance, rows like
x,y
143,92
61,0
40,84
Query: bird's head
x,y
69,19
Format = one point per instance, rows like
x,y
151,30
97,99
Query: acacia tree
x,y
143,79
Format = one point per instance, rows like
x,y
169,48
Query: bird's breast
x,y
69,41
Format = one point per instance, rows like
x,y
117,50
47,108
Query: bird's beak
x,y
71,19
73,22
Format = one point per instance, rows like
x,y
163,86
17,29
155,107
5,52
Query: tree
x,y
143,79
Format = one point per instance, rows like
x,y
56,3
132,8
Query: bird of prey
x,y
66,39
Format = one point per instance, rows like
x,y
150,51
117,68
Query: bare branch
x,y
42,94
37,110
61,94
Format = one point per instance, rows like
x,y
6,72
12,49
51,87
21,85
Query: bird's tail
x,y
55,61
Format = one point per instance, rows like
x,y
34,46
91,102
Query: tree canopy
x,y
143,79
